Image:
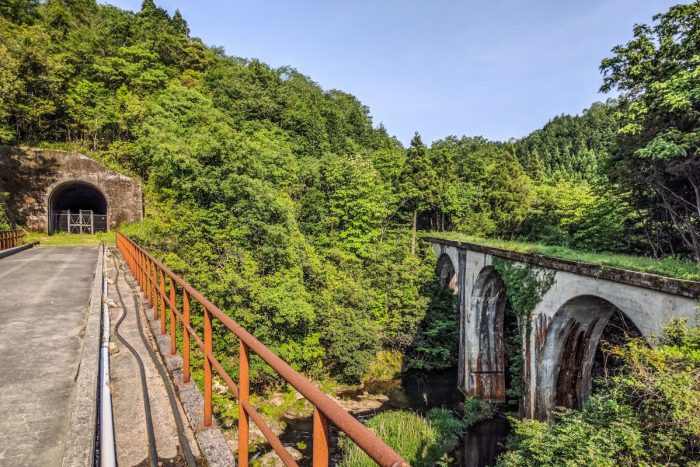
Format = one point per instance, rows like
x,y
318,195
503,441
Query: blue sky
x,y
499,68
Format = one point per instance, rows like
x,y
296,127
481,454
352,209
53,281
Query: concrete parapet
x,y
17,249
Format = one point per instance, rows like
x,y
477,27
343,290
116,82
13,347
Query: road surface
x,y
44,295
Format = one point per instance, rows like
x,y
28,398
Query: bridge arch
x,y
571,344
73,196
495,328
447,273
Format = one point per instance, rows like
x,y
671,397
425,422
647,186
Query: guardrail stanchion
x,y
320,440
154,288
142,271
243,392
173,328
149,282
162,301
138,268
185,336
207,367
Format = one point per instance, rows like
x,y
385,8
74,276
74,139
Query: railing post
x,y
207,367
185,336
173,328
136,268
149,285
139,274
162,302
130,253
154,287
320,442
144,271
243,393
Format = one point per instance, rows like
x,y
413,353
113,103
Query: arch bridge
x,y
578,304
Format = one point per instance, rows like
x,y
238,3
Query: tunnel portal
x,y
77,207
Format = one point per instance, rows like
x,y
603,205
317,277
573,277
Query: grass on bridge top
x,y
678,268
65,239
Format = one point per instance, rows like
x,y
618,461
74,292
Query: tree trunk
x,y
415,225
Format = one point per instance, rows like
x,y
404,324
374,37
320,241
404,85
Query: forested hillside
x,y
290,208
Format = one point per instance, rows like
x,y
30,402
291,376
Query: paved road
x,y
44,294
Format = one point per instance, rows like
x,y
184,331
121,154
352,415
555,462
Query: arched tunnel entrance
x,y
77,207
579,329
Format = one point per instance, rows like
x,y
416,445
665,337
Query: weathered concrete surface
x,y
683,288
127,399
17,249
44,294
80,441
211,442
566,325
31,175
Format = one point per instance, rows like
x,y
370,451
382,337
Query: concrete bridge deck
x,y
44,296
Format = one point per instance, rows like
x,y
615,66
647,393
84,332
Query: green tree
x,y
509,193
417,183
658,79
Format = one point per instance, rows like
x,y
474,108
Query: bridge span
x,y
44,296
574,304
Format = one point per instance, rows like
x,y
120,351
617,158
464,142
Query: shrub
x,y
647,413
475,411
420,441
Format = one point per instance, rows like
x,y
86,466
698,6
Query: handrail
x,y
108,457
10,238
150,274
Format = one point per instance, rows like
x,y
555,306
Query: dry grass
x,y
64,239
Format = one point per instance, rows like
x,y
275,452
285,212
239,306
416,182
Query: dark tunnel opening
x,y
77,208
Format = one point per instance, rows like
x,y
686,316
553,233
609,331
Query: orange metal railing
x,y
10,238
152,275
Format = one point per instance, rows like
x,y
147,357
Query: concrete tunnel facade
x,y
44,182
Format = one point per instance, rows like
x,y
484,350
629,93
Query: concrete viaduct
x,y
565,327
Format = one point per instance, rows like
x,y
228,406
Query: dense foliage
x,y
657,155
268,193
4,221
288,207
648,413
